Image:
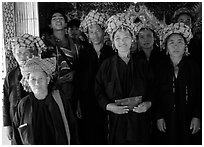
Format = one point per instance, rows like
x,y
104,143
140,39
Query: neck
x,y
41,95
147,52
98,47
175,60
125,57
59,34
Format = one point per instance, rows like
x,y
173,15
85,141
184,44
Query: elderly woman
x,y
122,87
43,117
23,48
179,89
92,120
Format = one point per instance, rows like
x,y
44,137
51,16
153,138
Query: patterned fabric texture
x,y
177,28
120,20
92,18
28,41
48,65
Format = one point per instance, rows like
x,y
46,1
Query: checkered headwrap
x,y
120,20
92,18
48,65
177,28
34,43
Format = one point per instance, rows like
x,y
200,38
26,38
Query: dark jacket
x,y
130,128
92,115
13,92
25,115
178,99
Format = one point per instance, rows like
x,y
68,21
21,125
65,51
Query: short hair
x,y
57,11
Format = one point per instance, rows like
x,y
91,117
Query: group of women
x,y
80,90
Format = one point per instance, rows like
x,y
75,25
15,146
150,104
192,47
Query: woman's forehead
x,y
94,27
145,31
38,73
122,32
175,37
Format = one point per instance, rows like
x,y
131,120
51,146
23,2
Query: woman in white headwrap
x,y
44,117
178,100
22,47
122,87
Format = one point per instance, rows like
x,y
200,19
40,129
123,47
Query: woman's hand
x,y
161,125
143,107
117,109
9,132
195,125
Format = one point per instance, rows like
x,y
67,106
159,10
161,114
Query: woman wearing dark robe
x,y
179,90
43,117
23,48
91,117
122,87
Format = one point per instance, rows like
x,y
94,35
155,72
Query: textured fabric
x,y
93,17
178,28
47,65
120,20
28,41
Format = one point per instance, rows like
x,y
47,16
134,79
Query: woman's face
x,y
176,45
95,34
146,39
122,41
58,22
38,82
22,54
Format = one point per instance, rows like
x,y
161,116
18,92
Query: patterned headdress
x,y
33,43
120,20
47,65
175,28
92,18
180,11
147,20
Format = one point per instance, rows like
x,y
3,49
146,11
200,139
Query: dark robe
x,y
13,93
116,80
92,124
178,100
44,121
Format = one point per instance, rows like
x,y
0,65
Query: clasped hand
x,y
141,108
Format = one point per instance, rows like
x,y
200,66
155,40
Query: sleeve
x,y
6,103
197,90
100,87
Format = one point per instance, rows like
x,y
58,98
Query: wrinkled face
x,y
122,41
95,34
176,45
38,82
74,32
58,22
146,38
186,19
22,54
